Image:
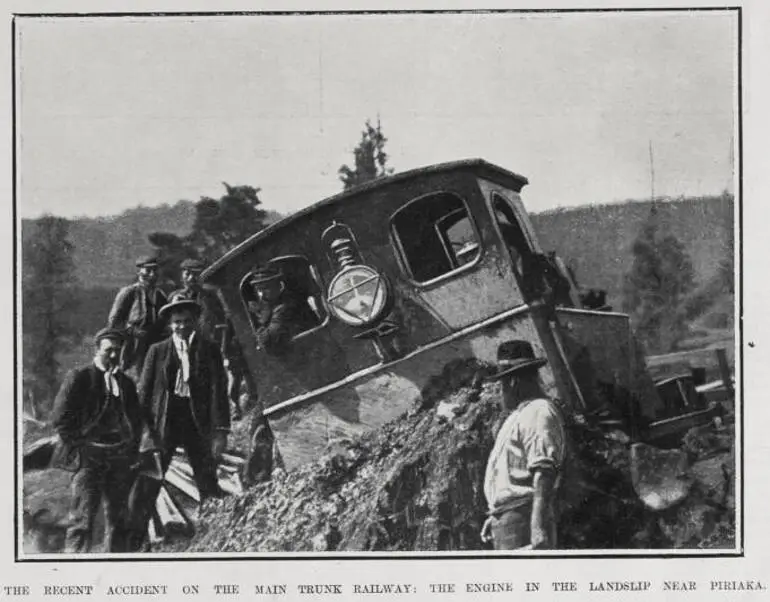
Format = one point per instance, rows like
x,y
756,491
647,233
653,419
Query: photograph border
x,y
738,178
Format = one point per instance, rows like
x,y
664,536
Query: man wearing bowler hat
x,y
135,310
183,391
524,467
213,324
99,422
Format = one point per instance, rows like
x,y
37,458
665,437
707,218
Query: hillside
x,y
105,247
595,240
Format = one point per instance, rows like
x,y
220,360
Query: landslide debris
x,y
417,484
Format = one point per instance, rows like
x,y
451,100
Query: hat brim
x,y
532,364
182,304
266,279
193,267
114,334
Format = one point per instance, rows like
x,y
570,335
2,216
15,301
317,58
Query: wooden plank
x,y
182,482
168,512
680,424
724,370
232,459
230,484
714,385
183,467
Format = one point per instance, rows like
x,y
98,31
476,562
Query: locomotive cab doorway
x,y
520,246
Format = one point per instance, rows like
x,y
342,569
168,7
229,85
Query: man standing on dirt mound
x,y
183,391
135,310
523,470
99,421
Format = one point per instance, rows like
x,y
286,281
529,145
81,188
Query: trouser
x,y
511,529
234,382
135,349
181,431
100,479
133,353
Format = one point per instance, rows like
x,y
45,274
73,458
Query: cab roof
x,y
477,165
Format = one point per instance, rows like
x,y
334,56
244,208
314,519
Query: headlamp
x,y
358,295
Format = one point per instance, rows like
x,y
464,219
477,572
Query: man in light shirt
x,y
183,389
524,467
99,421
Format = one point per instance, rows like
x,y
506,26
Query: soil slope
x,y
416,484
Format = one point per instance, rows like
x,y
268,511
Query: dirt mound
x,y
416,484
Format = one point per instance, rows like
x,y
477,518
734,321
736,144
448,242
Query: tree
x,y
661,276
370,159
49,294
219,225
726,269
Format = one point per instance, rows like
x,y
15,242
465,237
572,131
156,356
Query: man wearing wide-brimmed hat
x,y
524,467
213,324
135,310
183,389
99,422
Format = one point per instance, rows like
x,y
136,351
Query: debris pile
x,y
416,484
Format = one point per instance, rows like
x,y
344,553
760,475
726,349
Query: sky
x,y
115,113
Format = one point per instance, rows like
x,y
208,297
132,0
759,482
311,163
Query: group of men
x,y
158,380
145,393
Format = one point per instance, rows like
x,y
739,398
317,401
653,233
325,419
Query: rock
x,y
660,477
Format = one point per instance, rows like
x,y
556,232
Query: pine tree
x,y
370,158
661,276
219,225
49,299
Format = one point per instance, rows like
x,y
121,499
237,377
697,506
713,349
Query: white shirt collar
x,y
109,377
178,340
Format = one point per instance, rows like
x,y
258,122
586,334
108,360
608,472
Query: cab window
x,y
435,235
302,291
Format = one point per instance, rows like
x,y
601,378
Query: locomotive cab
x,y
402,277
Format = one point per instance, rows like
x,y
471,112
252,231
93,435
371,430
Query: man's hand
x,y
218,445
486,530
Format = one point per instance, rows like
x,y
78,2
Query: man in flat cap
x,y
214,325
524,467
276,316
183,391
99,422
135,310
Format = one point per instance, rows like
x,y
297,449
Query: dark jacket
x,y
129,311
78,407
210,405
276,324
